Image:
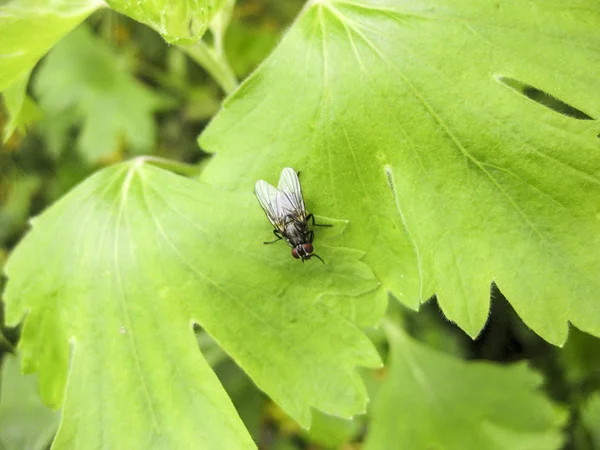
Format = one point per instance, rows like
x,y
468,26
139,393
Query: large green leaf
x,y
449,177
31,27
432,400
82,80
25,423
119,270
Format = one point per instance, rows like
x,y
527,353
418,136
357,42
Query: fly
x,y
284,207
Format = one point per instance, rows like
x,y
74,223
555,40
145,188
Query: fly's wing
x,y
268,197
292,201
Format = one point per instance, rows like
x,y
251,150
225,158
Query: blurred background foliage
x,y
113,89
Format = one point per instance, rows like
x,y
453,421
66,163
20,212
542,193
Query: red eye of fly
x,y
295,253
308,248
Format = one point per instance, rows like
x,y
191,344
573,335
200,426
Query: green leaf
x,y
450,178
15,210
25,423
178,22
249,401
21,108
248,45
591,418
333,432
139,255
5,344
31,27
580,359
83,80
431,400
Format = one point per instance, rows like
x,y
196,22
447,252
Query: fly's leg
x,y
279,237
311,236
312,219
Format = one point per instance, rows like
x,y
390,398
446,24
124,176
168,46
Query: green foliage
x,y
581,361
449,178
21,109
83,80
139,254
15,210
333,432
25,423
178,22
449,143
30,28
591,418
431,400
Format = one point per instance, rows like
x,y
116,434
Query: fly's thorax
x,y
296,232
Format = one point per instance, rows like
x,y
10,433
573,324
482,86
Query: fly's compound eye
x,y
308,248
295,253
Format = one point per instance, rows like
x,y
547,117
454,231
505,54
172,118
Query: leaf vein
x,y
121,291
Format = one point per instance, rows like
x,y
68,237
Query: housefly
x,y
284,207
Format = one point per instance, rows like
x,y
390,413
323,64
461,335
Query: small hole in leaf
x,y
544,98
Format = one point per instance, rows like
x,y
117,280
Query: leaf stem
x,y
214,63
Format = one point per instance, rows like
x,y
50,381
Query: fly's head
x,y
304,252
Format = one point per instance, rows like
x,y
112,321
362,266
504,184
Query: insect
x,y
284,207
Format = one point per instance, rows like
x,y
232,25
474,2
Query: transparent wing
x,y
292,201
268,197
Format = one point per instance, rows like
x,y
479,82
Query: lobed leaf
x,y
82,81
432,400
114,276
407,117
